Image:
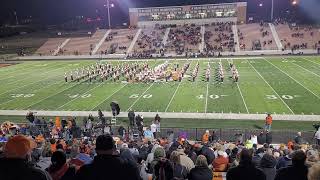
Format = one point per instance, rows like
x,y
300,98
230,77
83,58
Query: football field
x,y
277,85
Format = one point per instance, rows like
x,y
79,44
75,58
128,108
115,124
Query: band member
x,y
180,77
65,77
71,76
193,77
221,78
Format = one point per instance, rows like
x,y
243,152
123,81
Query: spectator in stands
x,y
184,159
245,169
256,159
299,139
213,137
201,170
15,164
179,171
314,172
160,167
268,137
268,166
106,164
220,164
317,136
298,170
285,160
205,137
261,138
268,122
59,169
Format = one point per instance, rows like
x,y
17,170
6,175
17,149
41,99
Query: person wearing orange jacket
x,y
268,123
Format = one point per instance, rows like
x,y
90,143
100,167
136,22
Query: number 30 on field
x,y
146,96
276,97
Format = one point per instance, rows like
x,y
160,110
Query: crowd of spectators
x,y
58,155
219,40
183,39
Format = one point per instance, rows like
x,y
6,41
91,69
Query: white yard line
x,y
311,61
19,87
292,78
108,97
172,97
306,69
139,97
206,106
271,88
51,95
244,102
78,96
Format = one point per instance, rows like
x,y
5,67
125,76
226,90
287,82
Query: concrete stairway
x,y
236,38
275,36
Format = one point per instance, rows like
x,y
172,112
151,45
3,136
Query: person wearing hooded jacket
x,y
267,165
59,169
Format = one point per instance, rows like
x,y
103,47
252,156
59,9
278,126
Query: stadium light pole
x,y
271,10
108,11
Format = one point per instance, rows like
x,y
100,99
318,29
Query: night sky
x,y
59,11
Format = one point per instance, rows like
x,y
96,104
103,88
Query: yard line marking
x,y
41,73
108,97
172,97
292,78
33,92
244,102
78,96
139,97
271,88
305,69
52,95
311,61
206,106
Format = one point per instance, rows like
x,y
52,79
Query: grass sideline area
x,y
200,123
278,85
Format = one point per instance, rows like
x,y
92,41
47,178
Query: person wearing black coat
x,y
261,138
131,117
246,169
106,165
267,165
208,153
268,137
201,171
297,171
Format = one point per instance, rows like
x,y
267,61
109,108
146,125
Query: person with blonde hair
x,y
314,172
179,171
201,171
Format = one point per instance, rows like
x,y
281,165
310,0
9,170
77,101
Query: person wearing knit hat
x,y
159,153
267,165
107,165
15,164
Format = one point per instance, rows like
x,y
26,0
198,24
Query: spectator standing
x,y
179,171
298,170
106,164
15,164
268,166
131,117
268,137
205,137
213,138
314,172
261,138
160,167
268,122
148,134
59,169
220,164
317,136
285,160
299,139
157,118
246,169
201,170
153,128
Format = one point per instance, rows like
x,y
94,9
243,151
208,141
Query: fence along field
x,y
289,85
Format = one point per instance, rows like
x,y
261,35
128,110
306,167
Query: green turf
x,y
278,85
